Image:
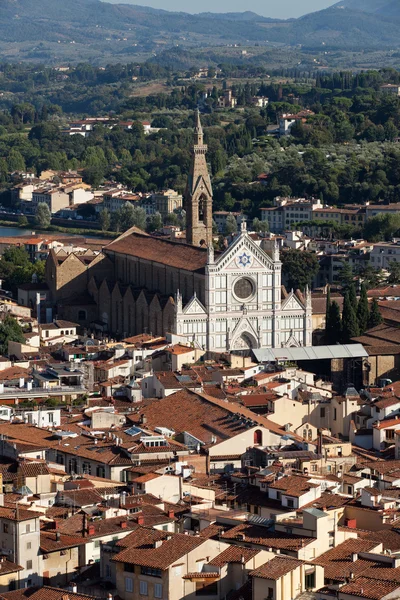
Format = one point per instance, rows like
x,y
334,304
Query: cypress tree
x,y
375,317
327,313
353,296
363,310
334,333
349,320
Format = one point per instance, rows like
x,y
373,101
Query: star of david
x,y
244,260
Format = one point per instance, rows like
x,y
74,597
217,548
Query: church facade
x,y
220,301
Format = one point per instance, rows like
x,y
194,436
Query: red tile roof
x,y
277,567
234,554
373,589
170,550
165,252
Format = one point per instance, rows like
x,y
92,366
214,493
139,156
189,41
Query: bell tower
x,y
198,195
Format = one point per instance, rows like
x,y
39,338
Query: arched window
x,y
201,209
258,437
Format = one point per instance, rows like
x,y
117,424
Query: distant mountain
x,y
49,20
383,8
248,15
128,28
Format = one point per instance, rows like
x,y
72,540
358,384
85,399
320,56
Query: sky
x,y
268,8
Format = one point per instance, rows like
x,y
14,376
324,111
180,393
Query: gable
x,y
292,303
194,307
244,256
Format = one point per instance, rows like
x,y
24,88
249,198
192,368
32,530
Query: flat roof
x,y
310,353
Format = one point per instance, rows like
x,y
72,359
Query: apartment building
x,y
55,198
20,541
288,211
166,202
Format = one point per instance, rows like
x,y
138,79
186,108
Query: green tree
x,y
127,216
10,331
230,225
42,216
23,221
349,320
155,223
16,268
104,220
346,276
353,296
299,268
116,221
394,269
328,311
15,161
363,310
375,317
382,227
260,226
333,333
140,217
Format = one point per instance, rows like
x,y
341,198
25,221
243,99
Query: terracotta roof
x,y
170,550
14,373
74,526
82,497
54,541
387,402
33,469
373,589
202,416
44,593
6,567
338,562
18,514
165,252
255,534
387,423
277,567
234,554
293,485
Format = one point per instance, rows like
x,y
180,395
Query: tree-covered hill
x,y
352,24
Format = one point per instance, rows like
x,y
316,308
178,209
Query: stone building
x,y
221,301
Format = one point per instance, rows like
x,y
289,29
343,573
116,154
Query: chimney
x,y
74,588
91,530
354,556
124,525
140,519
57,536
158,543
171,514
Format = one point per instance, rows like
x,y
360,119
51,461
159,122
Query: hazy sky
x,y
269,8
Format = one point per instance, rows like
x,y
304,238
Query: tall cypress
x,y
327,313
334,333
375,317
353,296
363,310
349,320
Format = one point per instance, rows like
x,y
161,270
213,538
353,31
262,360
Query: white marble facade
x,y
245,307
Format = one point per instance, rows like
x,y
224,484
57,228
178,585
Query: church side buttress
x,y
198,196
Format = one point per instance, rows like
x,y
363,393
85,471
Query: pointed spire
x,y
198,131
